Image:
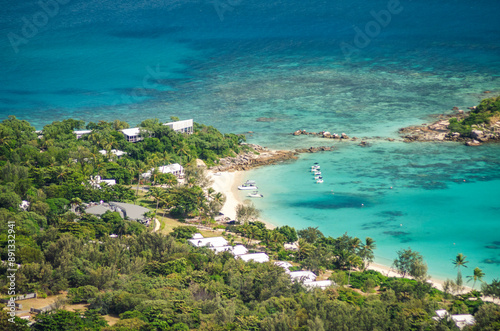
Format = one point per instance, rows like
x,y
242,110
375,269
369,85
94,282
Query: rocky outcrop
x,y
314,149
262,156
259,157
439,131
322,134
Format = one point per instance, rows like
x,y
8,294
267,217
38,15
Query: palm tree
x,y
139,167
157,194
367,251
305,248
458,262
478,275
253,231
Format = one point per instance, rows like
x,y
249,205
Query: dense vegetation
x,y
481,115
154,281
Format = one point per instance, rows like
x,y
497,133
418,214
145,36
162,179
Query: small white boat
x,y
319,181
247,186
317,173
315,168
255,194
318,177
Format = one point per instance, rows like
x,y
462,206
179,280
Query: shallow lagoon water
x,y
439,206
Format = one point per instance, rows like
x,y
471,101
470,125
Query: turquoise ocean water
x,y
229,62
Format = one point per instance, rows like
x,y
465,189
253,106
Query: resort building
x,y
235,250
80,133
283,264
175,169
95,182
460,321
208,242
134,134
115,152
255,257
126,210
197,236
185,126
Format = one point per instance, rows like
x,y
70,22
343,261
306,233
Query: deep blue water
x,y
303,65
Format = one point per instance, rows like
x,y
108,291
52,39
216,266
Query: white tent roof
x,y
239,250
256,257
210,242
285,265
131,131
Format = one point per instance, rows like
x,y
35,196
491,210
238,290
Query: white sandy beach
x,y
227,183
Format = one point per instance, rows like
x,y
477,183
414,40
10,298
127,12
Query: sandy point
x,y
227,183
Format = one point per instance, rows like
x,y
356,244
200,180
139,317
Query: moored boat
x,y
255,194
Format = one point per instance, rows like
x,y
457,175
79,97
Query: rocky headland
x,y
441,130
260,156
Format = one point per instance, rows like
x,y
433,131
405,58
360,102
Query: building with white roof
x,y
185,126
175,169
134,134
239,250
208,242
95,181
283,264
463,320
116,152
235,250
197,236
255,257
322,284
460,320
302,276
80,133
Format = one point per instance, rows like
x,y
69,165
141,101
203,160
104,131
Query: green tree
x,y
492,289
158,194
410,263
310,234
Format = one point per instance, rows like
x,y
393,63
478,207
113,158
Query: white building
x,y
175,169
134,134
116,152
255,257
235,250
208,242
322,284
283,264
302,276
95,181
185,126
197,236
460,320
239,250
80,133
